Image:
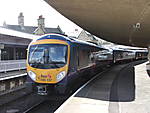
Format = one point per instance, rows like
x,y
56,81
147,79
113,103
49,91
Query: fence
x,y
11,65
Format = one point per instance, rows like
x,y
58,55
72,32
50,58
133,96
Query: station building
x,y
14,40
14,47
40,29
85,36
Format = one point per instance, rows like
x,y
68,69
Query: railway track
x,y
34,107
48,105
21,103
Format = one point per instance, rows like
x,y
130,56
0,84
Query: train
x,y
118,55
55,61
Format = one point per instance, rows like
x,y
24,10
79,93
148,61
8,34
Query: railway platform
x,y
121,89
12,80
12,74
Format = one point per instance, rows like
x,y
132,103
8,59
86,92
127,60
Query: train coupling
x,y
42,90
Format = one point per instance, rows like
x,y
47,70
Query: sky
x,y
32,9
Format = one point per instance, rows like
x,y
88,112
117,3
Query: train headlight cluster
x,y
32,75
60,76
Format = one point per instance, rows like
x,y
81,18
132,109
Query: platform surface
x,y
12,74
126,92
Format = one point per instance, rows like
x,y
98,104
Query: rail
x,y
11,65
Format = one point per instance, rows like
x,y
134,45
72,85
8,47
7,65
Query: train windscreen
x,y
47,56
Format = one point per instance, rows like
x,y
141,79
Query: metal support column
x,y
14,53
1,47
0,54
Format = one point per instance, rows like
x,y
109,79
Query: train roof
x,y
125,48
64,38
68,39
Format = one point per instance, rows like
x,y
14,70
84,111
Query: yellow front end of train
x,y
48,61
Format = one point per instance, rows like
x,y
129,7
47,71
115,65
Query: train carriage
x,y
54,61
104,57
141,54
121,55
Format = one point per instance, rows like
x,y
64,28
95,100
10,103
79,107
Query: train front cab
x,y
47,64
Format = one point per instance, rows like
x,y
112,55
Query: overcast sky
x,y
10,9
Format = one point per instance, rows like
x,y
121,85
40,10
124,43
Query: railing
x,y
11,65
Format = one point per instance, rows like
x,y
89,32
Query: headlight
x,y
60,76
32,75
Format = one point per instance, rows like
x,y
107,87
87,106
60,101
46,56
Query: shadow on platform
x,y
123,87
115,86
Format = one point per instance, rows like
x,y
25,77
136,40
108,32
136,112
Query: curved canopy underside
x,y
124,22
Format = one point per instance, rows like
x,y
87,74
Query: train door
x,y
114,56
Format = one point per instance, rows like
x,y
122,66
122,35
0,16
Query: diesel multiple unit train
x,y
55,61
